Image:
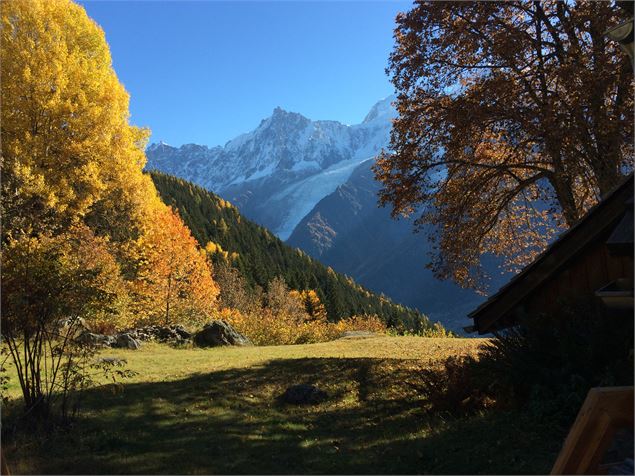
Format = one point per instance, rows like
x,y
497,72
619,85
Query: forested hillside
x,y
260,256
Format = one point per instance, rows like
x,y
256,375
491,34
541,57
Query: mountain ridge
x,y
270,166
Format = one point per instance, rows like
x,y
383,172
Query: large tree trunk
x,y
564,194
606,169
561,183
606,165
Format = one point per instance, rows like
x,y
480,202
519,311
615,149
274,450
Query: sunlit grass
x,y
216,411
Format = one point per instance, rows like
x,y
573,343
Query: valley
x,y
311,184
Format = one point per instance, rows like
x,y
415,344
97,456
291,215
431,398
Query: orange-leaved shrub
x,y
282,316
364,322
269,328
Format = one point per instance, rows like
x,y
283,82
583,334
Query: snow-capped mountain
x,y
310,182
278,172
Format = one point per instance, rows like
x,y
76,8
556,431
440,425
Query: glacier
x,y
278,172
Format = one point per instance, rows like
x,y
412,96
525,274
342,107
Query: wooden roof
x,y
497,310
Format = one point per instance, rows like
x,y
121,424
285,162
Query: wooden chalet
x,y
592,258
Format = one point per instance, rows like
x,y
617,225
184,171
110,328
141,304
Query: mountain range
x,y
277,173
310,183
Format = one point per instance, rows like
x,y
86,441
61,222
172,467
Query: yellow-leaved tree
x,y
69,154
73,184
66,141
312,304
174,282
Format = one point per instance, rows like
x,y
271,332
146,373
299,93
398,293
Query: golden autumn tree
x,y
82,224
312,304
513,119
69,154
66,141
175,281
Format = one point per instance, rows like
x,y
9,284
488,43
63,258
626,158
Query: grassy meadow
x,y
215,411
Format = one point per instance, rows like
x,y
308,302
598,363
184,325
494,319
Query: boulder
x,y
126,341
71,326
95,340
163,334
182,332
142,333
218,333
171,334
303,395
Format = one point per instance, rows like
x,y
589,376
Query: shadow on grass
x,y
229,422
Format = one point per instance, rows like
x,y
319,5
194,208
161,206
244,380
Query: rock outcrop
x,y
217,333
126,341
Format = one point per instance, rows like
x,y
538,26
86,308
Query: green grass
x,y
215,411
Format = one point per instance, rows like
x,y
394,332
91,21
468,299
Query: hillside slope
x,y
350,232
260,256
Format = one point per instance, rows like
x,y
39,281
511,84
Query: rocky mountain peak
x,y
383,110
282,119
277,172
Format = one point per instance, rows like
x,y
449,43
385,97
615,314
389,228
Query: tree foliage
x,y
513,119
85,233
175,281
71,159
234,292
312,304
281,301
66,141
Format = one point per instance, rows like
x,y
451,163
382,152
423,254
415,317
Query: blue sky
x,y
204,72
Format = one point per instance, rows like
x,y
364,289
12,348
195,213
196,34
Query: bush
x,y
286,316
550,362
364,322
547,364
434,330
456,385
269,328
47,282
